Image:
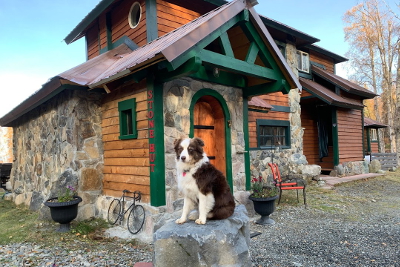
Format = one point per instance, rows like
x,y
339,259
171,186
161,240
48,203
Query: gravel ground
x,y
352,230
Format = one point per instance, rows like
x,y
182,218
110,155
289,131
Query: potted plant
x,y
64,208
263,197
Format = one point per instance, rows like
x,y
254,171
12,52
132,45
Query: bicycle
x,y
136,215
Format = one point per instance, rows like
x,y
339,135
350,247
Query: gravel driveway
x,y
360,227
355,224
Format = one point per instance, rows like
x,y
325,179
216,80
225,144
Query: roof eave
x,y
77,32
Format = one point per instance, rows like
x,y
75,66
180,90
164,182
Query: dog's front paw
x,y
199,221
180,221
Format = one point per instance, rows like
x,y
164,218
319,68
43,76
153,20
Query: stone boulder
x,y
375,166
217,243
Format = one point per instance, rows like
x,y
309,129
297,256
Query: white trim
x,y
136,7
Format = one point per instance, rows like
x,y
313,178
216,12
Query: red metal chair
x,y
288,184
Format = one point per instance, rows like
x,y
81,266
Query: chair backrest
x,y
275,172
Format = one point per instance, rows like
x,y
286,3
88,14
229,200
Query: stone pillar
x,y
217,243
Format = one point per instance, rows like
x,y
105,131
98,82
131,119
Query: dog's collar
x,y
184,172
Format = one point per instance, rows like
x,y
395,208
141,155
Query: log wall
x,y
278,99
350,135
126,162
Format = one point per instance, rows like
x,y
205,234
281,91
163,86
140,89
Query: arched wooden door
x,y
209,125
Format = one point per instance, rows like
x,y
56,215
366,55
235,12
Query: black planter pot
x,y
264,207
63,212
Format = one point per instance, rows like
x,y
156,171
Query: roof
x,y
257,103
122,61
370,123
336,58
344,84
328,96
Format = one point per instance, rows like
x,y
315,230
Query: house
x,y
371,137
159,70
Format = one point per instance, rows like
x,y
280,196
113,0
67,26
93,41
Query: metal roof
x,y
122,61
257,103
370,123
346,85
328,96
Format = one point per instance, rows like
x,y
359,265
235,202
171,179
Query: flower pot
x,y
63,212
264,207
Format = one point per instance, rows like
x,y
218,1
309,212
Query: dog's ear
x,y
198,141
176,143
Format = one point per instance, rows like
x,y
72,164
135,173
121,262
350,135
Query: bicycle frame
x,y
137,196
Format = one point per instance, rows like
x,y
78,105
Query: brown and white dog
x,y
201,183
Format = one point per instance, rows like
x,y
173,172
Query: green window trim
x,y
273,123
127,119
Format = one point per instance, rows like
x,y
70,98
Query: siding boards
x,y
278,99
350,135
323,60
171,16
126,162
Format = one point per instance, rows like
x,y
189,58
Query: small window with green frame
x,y
127,119
273,133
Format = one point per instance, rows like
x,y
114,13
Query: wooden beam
x,y
238,66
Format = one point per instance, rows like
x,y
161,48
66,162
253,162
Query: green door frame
x,y
228,149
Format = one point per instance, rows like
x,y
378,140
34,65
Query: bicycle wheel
x,y
136,219
113,211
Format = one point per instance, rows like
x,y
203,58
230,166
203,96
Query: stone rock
x,y
375,166
242,197
217,243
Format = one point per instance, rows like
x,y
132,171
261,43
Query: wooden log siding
x,y
323,60
171,16
278,99
350,135
126,162
121,27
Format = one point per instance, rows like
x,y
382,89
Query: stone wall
x,y
289,160
178,97
6,155
58,144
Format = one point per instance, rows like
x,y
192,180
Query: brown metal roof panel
x,y
328,96
370,123
175,43
276,53
343,83
257,102
85,73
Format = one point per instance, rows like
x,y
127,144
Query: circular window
x,y
134,15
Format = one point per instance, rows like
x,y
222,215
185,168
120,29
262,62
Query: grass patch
x,y
19,224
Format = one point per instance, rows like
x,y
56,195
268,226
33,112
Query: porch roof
x,y
370,123
328,96
344,84
257,103
123,61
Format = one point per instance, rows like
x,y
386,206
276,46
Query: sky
x,y
32,49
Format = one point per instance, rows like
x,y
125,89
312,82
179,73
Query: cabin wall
x,y
323,60
96,36
350,132
278,99
126,162
59,144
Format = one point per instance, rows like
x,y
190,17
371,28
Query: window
x,y
303,61
127,119
374,135
273,133
134,15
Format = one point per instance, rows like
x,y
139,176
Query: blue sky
x,y
32,49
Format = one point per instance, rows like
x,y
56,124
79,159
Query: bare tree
x,y
373,32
